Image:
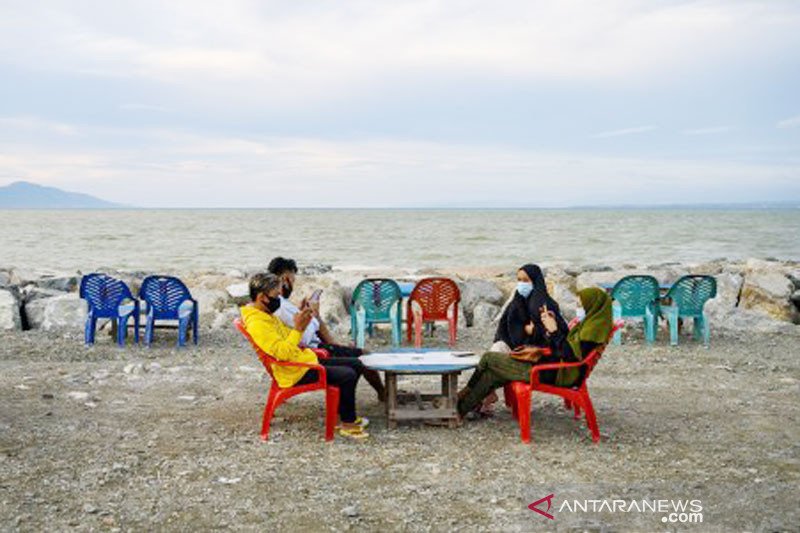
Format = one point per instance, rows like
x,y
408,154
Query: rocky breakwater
x,y
752,295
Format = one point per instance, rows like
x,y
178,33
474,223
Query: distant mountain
x,y
26,195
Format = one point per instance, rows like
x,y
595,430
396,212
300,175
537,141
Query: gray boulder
x,y
210,302
596,268
769,293
562,288
594,279
483,314
5,278
9,310
474,291
567,300
67,311
66,283
239,293
32,292
314,269
224,319
746,320
729,286
332,306
796,298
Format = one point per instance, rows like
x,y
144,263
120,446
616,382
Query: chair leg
x,y
508,395
397,328
524,414
196,326
91,326
148,330
702,329
269,410
591,418
122,329
650,325
361,328
417,331
511,401
451,328
672,319
617,314
136,320
331,411
183,327
409,322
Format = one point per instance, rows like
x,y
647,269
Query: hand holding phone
x,y
315,296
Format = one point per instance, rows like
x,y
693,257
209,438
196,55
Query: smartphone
x,y
315,296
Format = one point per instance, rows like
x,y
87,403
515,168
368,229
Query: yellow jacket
x,y
277,340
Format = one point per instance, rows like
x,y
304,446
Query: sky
x,y
416,103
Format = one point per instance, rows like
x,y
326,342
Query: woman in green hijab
x,y
496,369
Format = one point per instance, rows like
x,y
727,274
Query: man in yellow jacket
x,y
282,343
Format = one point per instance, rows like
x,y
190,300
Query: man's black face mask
x,y
273,304
287,289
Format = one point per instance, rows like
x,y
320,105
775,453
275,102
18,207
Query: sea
x,y
163,240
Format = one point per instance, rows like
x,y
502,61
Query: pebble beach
x,y
120,439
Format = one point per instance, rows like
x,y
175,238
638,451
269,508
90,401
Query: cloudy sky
x,y
413,103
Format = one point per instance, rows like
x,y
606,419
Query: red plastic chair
x,y
278,395
518,393
435,297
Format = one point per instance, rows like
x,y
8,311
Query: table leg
x,y
391,399
446,389
452,397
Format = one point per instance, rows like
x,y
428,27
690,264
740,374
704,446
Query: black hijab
x,y
521,310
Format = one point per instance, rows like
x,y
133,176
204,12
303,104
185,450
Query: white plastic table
x,y
443,363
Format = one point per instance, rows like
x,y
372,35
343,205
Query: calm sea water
x,y
180,240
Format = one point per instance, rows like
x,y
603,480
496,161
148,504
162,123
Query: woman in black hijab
x,y
521,323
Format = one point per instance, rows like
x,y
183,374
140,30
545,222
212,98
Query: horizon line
x,y
784,205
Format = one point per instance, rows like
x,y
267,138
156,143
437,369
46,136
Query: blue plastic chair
x,y
688,296
376,301
637,297
167,298
108,297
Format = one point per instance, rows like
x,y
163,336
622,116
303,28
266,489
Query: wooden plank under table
x,y
446,413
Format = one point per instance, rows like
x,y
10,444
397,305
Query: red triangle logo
x,y
547,499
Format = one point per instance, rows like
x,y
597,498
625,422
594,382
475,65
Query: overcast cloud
x,y
248,103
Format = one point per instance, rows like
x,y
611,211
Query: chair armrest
x,y
323,376
536,369
320,352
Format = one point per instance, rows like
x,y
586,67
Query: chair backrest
x,y
690,293
594,356
266,359
635,293
435,296
164,295
103,293
377,296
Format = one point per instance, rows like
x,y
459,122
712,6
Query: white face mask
x,y
524,288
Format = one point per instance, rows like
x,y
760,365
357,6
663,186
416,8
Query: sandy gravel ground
x,y
104,439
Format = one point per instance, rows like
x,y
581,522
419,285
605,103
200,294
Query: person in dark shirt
x,y
520,323
496,369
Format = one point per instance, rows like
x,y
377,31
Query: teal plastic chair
x,y
376,301
688,296
637,297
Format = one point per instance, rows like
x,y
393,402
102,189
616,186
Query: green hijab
x,y
595,327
